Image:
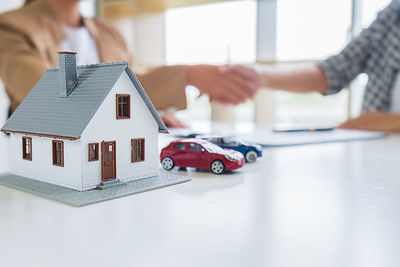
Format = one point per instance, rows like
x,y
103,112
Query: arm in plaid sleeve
x,y
342,68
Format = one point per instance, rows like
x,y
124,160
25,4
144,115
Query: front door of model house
x,y
108,165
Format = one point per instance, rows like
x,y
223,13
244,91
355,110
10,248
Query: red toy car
x,y
200,154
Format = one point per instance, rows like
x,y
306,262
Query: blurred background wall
x,y
279,32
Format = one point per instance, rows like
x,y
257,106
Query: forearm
x,y
386,122
165,85
390,124
374,121
195,73
299,80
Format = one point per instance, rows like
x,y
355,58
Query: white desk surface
x,y
317,205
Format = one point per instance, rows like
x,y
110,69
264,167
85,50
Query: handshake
x,y
226,84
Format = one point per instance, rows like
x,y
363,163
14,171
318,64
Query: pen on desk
x,y
303,130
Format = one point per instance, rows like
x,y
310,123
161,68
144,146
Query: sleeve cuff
x,y
335,84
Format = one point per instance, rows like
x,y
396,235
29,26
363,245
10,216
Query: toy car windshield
x,y
213,148
230,141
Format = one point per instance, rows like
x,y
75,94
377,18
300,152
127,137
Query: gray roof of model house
x,y
43,111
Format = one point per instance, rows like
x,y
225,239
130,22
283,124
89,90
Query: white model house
x,y
83,126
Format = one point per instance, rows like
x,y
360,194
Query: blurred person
x,y
31,36
376,52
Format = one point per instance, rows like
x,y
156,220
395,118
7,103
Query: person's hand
x,y
374,121
172,121
223,84
247,72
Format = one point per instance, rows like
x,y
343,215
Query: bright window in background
x,y
307,30
215,33
370,8
311,30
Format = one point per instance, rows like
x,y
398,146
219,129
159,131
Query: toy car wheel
x,y
168,163
251,156
217,167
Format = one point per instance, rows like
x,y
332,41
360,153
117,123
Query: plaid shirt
x,y
376,52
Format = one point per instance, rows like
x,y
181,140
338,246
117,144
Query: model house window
x,y
58,153
123,106
27,148
93,151
137,149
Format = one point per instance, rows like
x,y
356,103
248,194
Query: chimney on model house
x,y
67,78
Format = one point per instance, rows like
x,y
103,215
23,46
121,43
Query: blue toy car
x,y
250,151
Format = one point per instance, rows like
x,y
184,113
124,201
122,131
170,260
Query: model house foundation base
x,y
83,198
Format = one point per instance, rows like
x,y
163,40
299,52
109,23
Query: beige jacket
x,y
30,38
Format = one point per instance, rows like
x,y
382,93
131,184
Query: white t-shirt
x,y
395,99
79,40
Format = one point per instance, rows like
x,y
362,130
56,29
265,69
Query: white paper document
x,y
272,139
